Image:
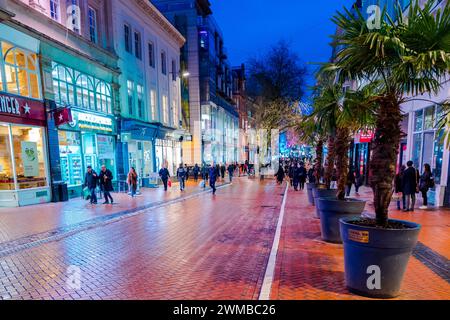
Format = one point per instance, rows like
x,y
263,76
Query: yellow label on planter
x,y
358,236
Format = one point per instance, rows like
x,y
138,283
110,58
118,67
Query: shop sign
x,y
30,159
91,122
63,116
105,147
364,136
23,108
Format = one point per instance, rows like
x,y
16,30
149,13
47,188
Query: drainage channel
x,y
31,241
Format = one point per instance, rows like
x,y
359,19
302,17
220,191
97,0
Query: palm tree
x,y
408,55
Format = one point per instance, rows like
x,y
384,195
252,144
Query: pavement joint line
x,y
266,287
95,223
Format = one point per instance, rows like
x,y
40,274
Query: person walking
x,y
291,172
426,182
311,177
398,188
280,175
296,176
196,171
106,178
186,168
230,172
90,182
181,175
409,186
223,169
132,181
302,176
350,182
213,175
358,181
164,175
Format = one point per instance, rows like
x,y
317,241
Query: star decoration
x,y
27,108
61,118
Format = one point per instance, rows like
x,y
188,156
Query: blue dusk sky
x,y
251,26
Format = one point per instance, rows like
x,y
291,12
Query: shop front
x,y
360,154
168,153
89,140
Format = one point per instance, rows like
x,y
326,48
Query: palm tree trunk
x,y
342,145
319,158
384,155
330,159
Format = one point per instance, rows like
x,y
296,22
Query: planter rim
x,y
414,226
334,199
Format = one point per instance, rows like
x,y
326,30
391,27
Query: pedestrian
x,y
296,176
223,168
230,172
350,182
280,175
90,182
426,182
409,186
186,168
334,179
358,181
291,172
311,177
164,175
106,178
213,175
181,175
132,181
398,188
196,171
302,176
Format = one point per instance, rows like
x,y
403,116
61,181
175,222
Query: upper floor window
x,y
140,100
153,104
174,70
55,9
137,45
163,63
165,105
130,91
127,38
78,89
93,32
151,54
19,71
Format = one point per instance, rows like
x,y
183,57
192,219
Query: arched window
x,y
85,91
21,71
63,85
103,97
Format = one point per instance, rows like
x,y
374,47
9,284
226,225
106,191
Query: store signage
x,y
63,116
364,136
30,159
91,122
18,107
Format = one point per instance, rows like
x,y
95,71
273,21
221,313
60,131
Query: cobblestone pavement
x,y
308,268
205,247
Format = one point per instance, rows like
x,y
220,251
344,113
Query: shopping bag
x,y
202,184
86,193
169,184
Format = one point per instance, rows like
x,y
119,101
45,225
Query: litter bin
x,y
55,192
63,192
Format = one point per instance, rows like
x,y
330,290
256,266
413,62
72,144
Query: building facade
x,y
148,47
211,114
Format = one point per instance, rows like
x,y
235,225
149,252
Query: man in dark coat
x,y
106,178
213,174
90,181
231,169
181,175
409,186
222,171
196,171
164,175
302,176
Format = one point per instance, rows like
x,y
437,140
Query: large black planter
x,y
309,187
371,252
323,193
331,210
314,187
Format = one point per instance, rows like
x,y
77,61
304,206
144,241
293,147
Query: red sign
x,y
364,136
63,116
21,110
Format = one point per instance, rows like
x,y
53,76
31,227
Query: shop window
x,y
29,157
429,118
70,155
21,71
6,169
418,120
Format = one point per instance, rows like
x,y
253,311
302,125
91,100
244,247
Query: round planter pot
x,y
309,187
314,187
323,193
376,258
331,210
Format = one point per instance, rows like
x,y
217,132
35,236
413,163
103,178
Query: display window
x,y
70,156
22,157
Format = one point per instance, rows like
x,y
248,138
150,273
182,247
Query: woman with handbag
x,y
425,183
132,181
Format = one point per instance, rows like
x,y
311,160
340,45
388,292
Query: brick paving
x,y
309,269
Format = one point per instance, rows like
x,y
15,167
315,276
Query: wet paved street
x,y
205,247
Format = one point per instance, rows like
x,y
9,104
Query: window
x,y
21,71
176,118
163,63
137,45
140,100
127,38
130,89
174,70
75,88
151,54
153,104
92,24
165,109
54,9
6,169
